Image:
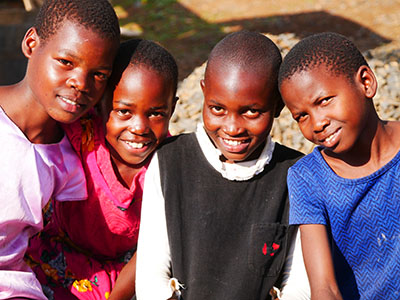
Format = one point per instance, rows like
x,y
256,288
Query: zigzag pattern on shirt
x,y
364,215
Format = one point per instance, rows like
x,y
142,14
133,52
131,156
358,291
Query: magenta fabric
x,y
86,243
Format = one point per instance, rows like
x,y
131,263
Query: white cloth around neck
x,y
238,171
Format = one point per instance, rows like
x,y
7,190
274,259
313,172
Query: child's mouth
x,y
331,140
69,105
235,145
135,145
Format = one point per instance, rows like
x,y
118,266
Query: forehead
x,y
306,86
140,82
71,35
230,81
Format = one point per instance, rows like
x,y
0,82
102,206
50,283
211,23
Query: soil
x,y
190,28
369,23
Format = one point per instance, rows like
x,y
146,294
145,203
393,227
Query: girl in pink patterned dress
x,y
86,244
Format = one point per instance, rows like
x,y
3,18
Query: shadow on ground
x,y
186,35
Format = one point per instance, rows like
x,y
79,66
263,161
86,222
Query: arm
x,y
308,207
295,285
124,288
153,252
318,261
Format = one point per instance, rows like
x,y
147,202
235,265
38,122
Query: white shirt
x,y
153,266
30,175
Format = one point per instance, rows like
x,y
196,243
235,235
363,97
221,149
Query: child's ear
x,y
368,81
30,42
174,101
202,84
279,104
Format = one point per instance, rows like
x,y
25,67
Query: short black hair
x,y
251,50
96,15
148,54
335,51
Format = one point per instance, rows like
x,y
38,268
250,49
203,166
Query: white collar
x,y
239,171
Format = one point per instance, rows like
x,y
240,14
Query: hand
x,y
175,296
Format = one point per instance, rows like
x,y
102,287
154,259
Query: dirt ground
x,y
190,28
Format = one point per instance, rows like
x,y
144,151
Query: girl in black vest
x,y
215,208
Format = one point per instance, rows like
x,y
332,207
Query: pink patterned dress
x,y
85,244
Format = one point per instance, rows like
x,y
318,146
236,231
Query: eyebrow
x,y
123,102
215,102
133,104
159,107
68,52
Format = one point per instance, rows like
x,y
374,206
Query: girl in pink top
x,y
70,56
86,244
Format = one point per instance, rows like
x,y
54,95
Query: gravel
x,y
383,60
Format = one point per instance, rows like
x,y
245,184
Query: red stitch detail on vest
x,y
264,250
275,246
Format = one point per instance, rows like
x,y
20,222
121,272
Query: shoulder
x,y
393,127
8,95
308,161
177,143
82,132
286,153
284,156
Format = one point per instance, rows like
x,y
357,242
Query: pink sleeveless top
x,y
107,224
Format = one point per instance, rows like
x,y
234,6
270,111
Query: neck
x,y
374,148
125,173
20,106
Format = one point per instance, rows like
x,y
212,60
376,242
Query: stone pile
x,y
383,60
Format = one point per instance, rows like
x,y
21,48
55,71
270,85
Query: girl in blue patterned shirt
x,y
345,194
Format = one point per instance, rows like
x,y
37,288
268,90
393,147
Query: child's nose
x,y
232,126
138,125
320,122
79,80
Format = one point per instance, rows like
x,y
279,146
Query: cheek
x,y
261,127
211,123
113,127
96,90
48,79
160,130
307,132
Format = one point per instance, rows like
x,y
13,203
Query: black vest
x,y
228,239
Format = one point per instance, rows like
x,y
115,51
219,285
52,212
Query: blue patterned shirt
x,y
363,215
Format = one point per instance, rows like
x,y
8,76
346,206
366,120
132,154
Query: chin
x,y
66,119
137,161
235,158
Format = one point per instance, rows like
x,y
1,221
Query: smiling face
x,y
142,105
331,110
67,74
238,111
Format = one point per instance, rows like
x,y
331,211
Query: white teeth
x,y
135,145
232,143
329,138
69,101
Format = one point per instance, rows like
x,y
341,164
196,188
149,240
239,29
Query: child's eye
x,y
101,76
65,62
217,110
123,112
300,118
252,113
157,114
324,101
